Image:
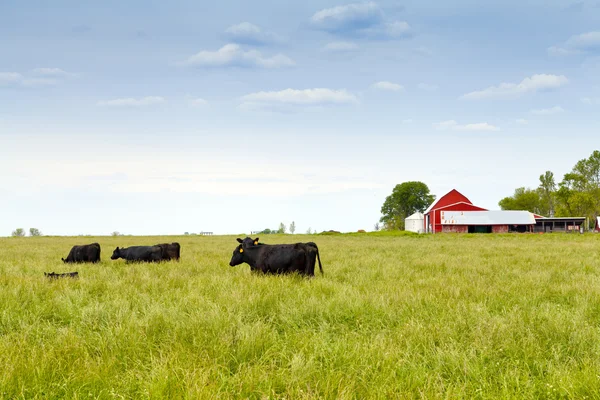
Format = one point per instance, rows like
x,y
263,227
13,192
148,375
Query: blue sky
x,y
164,117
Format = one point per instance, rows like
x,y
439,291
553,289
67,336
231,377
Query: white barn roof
x,y
487,218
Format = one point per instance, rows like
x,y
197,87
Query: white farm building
x,y
414,223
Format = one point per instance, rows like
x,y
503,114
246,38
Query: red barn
x,y
453,201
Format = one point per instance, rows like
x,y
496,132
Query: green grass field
x,y
395,316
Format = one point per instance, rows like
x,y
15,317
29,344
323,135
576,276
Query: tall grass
x,y
444,316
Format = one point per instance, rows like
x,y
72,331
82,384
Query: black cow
x,y
84,253
277,259
170,251
53,275
138,253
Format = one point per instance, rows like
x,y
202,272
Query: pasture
x,y
395,316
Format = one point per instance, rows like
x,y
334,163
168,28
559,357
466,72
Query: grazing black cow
x,y
84,253
277,259
311,249
53,275
138,253
170,251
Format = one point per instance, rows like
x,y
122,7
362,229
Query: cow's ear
x,y
239,240
256,241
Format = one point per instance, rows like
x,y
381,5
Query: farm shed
x,y
487,221
414,223
452,201
563,224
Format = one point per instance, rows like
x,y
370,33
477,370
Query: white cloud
x,y
427,87
248,33
197,102
522,121
548,111
340,47
303,97
10,78
455,126
591,100
133,102
385,85
340,16
55,72
578,44
291,99
397,29
42,77
36,82
528,85
233,55
359,19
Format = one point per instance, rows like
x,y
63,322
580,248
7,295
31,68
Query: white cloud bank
x,y
133,102
232,55
548,111
247,33
455,126
578,44
389,86
532,84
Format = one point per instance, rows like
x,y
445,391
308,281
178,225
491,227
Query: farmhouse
x,y
454,212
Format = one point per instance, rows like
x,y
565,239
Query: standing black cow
x,y
277,259
138,253
84,253
311,249
170,251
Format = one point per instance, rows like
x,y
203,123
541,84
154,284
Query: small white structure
x,y
414,223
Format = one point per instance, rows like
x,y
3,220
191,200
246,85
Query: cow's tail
x,y
319,258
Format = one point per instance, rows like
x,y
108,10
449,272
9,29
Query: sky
x,y
156,118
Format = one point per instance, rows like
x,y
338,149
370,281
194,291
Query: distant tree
x,y
115,233
186,233
406,199
523,199
547,190
19,232
377,227
266,232
292,227
308,232
34,232
282,228
579,192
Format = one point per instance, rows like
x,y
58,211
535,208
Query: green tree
x,y
547,191
34,232
282,228
406,199
308,232
523,199
579,191
19,232
292,227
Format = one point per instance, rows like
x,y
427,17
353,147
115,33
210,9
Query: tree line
x,y
20,232
577,195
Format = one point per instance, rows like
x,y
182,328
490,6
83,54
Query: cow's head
x,y
116,254
63,260
248,242
237,257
